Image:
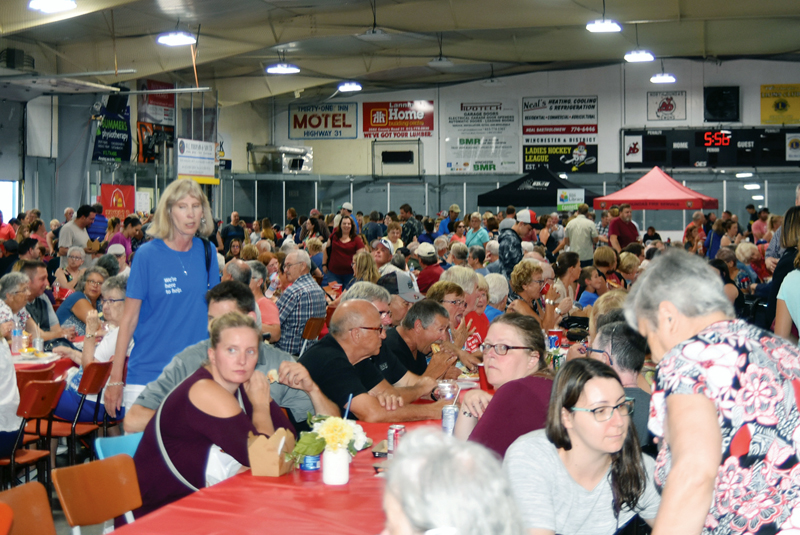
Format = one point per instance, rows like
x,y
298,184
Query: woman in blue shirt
x,y
476,235
76,307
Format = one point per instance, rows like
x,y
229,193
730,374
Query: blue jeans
x,y
68,406
7,439
344,280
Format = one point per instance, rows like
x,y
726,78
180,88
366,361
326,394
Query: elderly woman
x,y
97,347
585,472
270,317
515,364
724,405
219,404
438,485
528,281
14,294
68,276
9,401
498,295
476,235
749,256
74,311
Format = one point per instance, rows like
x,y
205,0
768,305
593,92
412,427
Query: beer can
x,y
449,415
310,463
393,440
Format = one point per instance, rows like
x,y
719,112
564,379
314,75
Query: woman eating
x,y
458,233
476,235
527,281
68,276
337,257
219,404
567,269
605,260
724,406
585,472
75,309
514,361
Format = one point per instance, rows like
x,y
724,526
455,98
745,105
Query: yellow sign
x,y
200,179
780,104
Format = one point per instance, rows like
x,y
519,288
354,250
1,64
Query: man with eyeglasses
x,y
302,300
356,334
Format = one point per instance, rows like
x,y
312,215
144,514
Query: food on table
x,y
272,375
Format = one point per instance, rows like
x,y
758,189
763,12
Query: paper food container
x,y
265,460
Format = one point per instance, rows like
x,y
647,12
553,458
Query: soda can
x,y
449,415
552,341
310,463
393,440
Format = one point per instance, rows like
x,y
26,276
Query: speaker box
x,y
721,104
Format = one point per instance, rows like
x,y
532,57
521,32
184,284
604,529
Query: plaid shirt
x,y
302,300
411,228
601,230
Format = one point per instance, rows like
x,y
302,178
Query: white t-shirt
x,y
72,235
549,498
9,394
103,352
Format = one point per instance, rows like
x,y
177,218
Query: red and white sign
x,y
117,201
156,108
399,119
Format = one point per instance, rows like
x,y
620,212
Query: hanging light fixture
x,y
177,38
604,25
349,87
440,62
282,67
52,6
374,33
662,77
638,55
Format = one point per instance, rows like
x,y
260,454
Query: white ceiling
x,y
238,38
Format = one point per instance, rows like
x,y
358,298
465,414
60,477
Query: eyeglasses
x,y
22,291
75,257
377,329
604,413
386,314
287,266
94,283
501,349
592,350
107,301
458,303
539,282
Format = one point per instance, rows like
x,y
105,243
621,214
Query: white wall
x,y
242,124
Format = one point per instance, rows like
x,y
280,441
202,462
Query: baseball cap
x,y
348,206
385,242
399,283
526,216
426,250
116,249
314,213
454,208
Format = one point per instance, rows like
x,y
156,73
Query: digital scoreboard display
x,y
710,147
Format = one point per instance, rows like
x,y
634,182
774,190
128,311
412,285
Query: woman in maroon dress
x,y
337,257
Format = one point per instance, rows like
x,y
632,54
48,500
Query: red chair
x,y
41,374
32,514
6,518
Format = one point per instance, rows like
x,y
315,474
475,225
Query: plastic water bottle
x,y
16,336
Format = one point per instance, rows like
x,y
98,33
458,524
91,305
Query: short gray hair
x,y
626,346
367,291
239,271
288,246
81,284
302,257
493,247
498,287
442,482
440,243
683,279
463,276
527,246
115,283
257,270
11,281
426,312
459,251
75,249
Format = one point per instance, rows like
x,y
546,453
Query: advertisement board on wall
x,y
780,104
560,133
156,108
481,137
118,201
398,119
666,105
196,160
793,147
569,199
112,142
324,121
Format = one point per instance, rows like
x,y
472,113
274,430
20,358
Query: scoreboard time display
x,y
711,147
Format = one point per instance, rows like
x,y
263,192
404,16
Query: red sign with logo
x,y
117,201
398,119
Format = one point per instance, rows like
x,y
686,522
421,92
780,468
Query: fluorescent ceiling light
x,y
283,68
604,26
758,197
374,34
662,78
176,39
638,56
348,87
744,175
441,63
52,6
752,186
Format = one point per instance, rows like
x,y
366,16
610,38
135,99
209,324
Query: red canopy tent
x,y
657,191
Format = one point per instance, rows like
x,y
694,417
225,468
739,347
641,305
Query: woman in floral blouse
x,y
725,406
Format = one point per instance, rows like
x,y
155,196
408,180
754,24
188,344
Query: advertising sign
x,y
324,121
118,201
780,104
560,133
156,108
793,147
112,142
569,199
666,105
633,149
143,201
481,137
196,160
404,119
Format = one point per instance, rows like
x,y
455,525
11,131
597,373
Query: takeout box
x,y
265,459
94,245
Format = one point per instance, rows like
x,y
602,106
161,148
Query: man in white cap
x,y
118,250
431,270
511,241
452,217
347,211
382,252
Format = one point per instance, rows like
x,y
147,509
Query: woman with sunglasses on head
x,y
584,473
514,361
528,282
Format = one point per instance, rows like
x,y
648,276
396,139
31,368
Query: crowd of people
x,y
687,350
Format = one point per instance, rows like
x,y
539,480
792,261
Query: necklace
x,y
181,261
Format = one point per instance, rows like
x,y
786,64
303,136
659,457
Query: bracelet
x,y
549,302
558,311
467,414
120,383
89,336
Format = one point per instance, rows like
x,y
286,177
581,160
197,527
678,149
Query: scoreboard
x,y
711,147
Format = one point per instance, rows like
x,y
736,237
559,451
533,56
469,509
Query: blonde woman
x,y
114,227
165,308
528,282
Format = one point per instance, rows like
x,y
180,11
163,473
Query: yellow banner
x,y
780,104
200,179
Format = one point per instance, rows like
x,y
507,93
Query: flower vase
x,y
335,466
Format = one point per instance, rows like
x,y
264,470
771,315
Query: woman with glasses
x,y
75,309
514,361
451,297
476,235
69,275
528,282
459,233
584,473
14,294
98,346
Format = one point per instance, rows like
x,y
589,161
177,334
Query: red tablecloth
x,y
62,365
298,503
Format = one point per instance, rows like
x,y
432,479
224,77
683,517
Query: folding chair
x,y
6,518
26,376
311,332
31,506
109,446
94,492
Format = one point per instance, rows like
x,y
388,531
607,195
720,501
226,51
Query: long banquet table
x,y
298,503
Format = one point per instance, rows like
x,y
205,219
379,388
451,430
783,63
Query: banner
x,y
793,147
326,121
632,148
666,105
569,199
143,201
112,142
196,160
117,201
780,104
158,108
148,142
560,133
405,119
481,137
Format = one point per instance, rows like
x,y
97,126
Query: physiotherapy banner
x,y
112,142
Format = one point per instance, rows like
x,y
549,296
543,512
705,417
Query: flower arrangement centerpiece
x,y
338,438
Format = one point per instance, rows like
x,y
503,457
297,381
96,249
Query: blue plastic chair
x,y
110,446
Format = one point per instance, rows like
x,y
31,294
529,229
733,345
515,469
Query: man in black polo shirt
x,y
355,335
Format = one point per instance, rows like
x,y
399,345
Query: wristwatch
x,y
558,311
